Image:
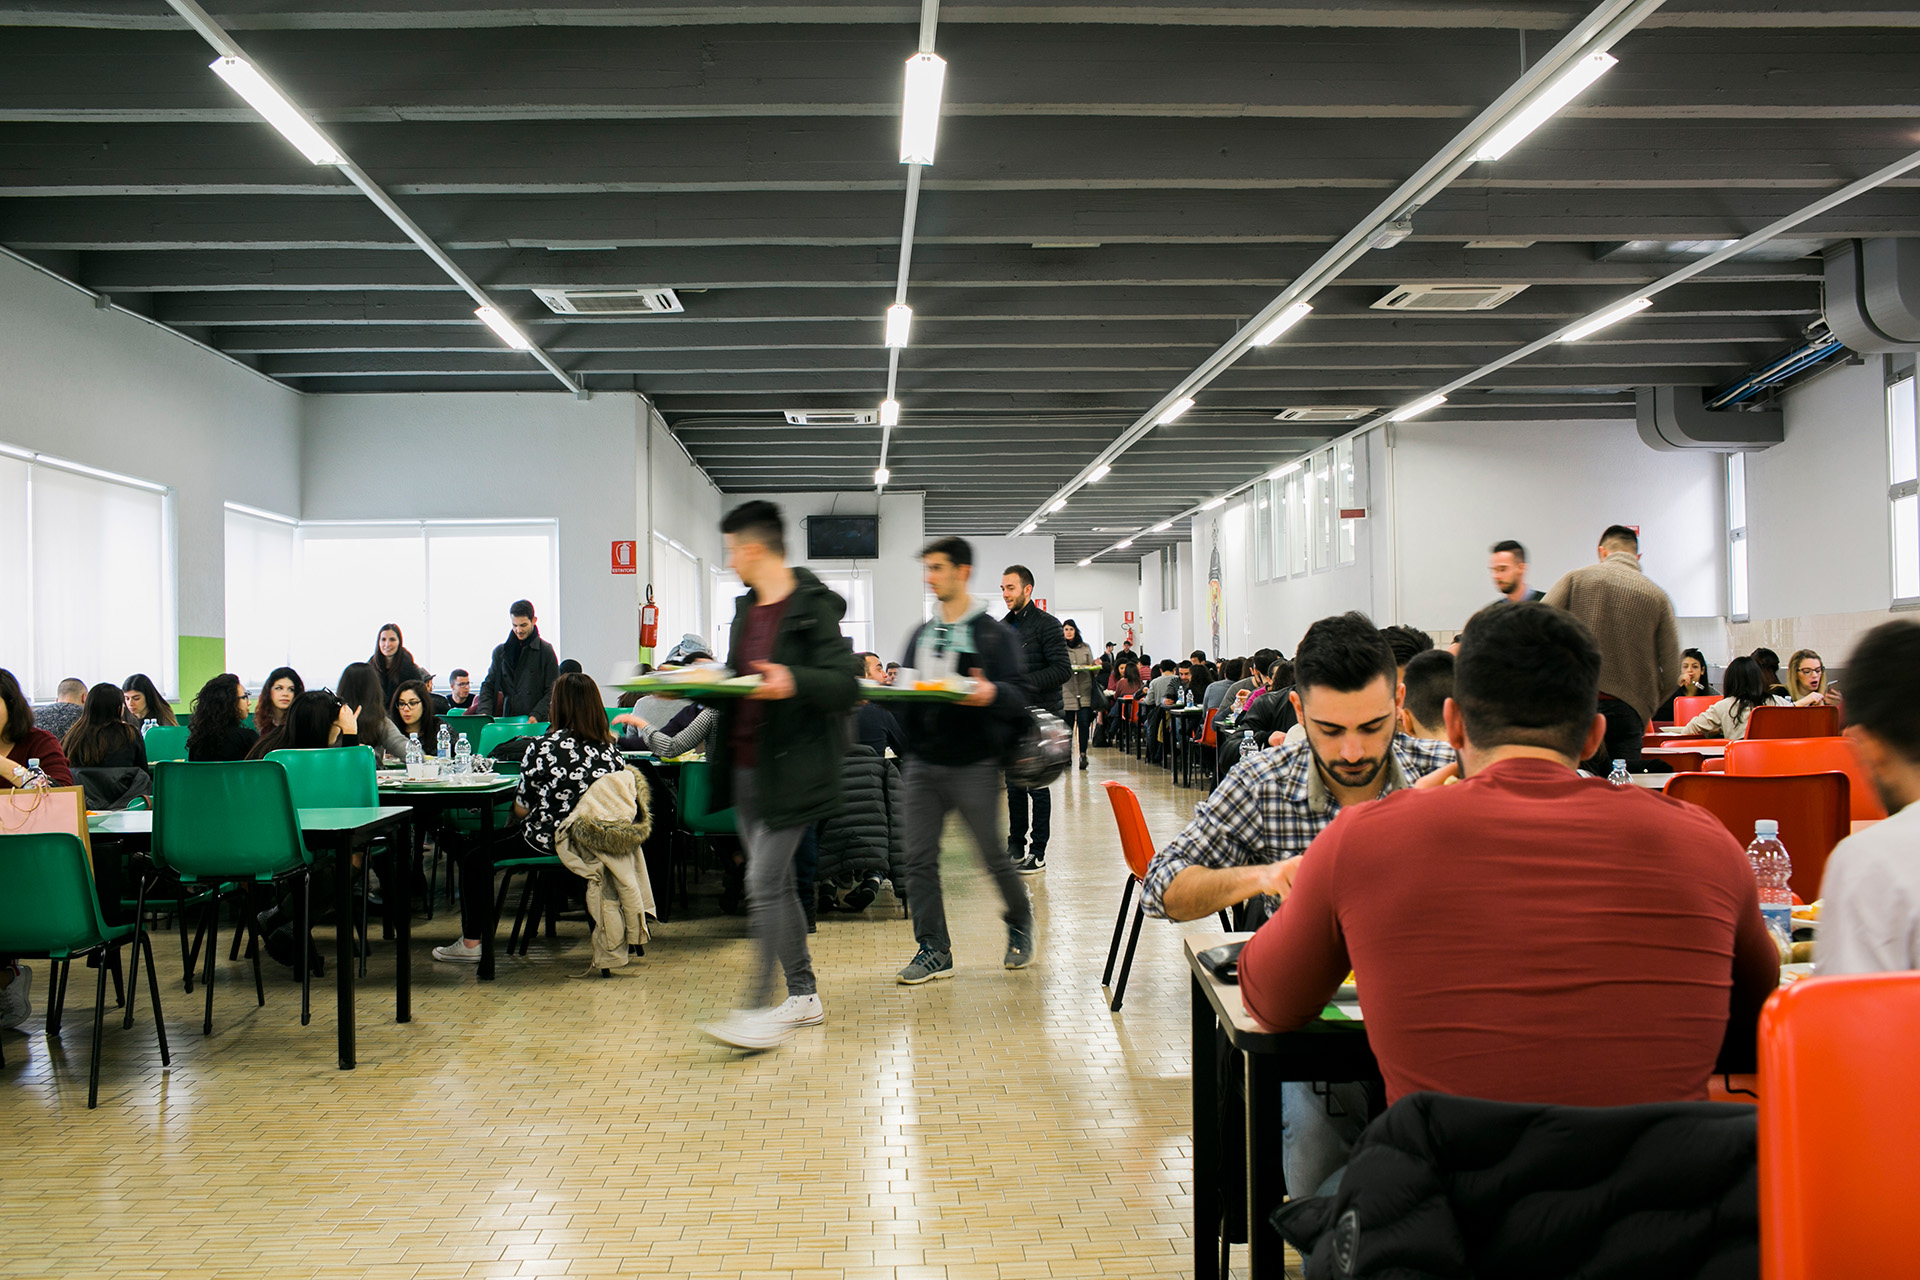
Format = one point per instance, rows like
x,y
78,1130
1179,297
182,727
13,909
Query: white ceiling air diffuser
x,y
608,302
833,417
1447,297
1325,413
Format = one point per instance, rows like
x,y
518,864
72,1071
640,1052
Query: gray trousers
x,y
932,792
774,917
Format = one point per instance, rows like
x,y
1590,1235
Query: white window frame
x,y
1903,491
1739,578
1265,499
1346,496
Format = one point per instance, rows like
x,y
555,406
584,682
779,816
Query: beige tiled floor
x,y
999,1125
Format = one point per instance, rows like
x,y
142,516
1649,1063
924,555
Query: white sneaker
x,y
798,1011
749,1029
16,1004
458,952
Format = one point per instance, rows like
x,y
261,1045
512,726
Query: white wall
x,y
1169,633
898,586
537,454
991,555
1110,587
112,391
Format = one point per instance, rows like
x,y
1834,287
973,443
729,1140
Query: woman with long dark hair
x,y
276,696
144,702
359,689
391,661
218,731
317,718
101,738
21,742
1746,688
412,713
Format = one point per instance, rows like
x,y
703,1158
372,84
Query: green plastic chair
x,y
455,711
48,908
166,742
330,777
471,727
219,822
697,816
506,731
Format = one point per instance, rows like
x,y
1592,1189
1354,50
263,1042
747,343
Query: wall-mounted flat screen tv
x,y
843,538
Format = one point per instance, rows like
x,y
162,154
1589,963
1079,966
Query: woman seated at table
x,y
1807,681
1769,671
412,713
1693,682
688,730
218,731
144,702
276,695
558,769
101,738
21,742
1126,680
359,688
317,718
1746,689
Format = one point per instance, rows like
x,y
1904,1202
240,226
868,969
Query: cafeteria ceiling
x,y
1195,156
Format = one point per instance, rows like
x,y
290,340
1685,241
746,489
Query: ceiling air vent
x,y
608,302
833,417
1325,413
1447,297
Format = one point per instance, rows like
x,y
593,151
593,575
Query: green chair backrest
x,y
166,742
226,821
48,906
501,731
514,719
455,711
470,728
614,711
696,794
330,777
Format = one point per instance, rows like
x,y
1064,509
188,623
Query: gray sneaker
x,y
16,1002
925,967
1019,948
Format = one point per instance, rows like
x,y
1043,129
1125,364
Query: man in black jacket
x,y
1043,652
953,758
775,758
520,679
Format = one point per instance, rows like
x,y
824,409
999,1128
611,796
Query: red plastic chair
x,y
1136,846
1812,811
1205,740
1793,722
1685,709
1778,757
1839,1123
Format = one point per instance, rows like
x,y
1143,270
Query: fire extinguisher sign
x,y
623,557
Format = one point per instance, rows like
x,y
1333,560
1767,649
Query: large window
x,y
1737,537
88,587
1903,483
1320,506
855,586
1346,497
1297,520
1264,520
316,601
677,593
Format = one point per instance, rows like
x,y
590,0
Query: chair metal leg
x,y
1226,922
58,990
239,934
186,951
305,943
1119,924
500,908
212,950
133,962
1126,966
112,957
99,1022
145,941
255,945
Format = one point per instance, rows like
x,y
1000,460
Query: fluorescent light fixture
x,y
899,320
889,413
1123,544
1086,562
1026,528
1545,104
1612,315
881,475
1099,473
1174,410
505,328
276,110
1058,504
1162,527
920,113
1281,473
1292,316
1415,409
1217,502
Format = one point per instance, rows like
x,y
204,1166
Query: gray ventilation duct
x,y
1873,294
1675,419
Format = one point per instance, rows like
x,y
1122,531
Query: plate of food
x,y
692,682
956,689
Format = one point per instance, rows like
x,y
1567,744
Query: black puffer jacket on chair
x,y
856,843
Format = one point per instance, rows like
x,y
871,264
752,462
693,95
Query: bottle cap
x,y
34,764
1619,764
1765,827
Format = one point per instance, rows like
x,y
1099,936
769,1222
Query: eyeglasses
x,y
410,702
1813,671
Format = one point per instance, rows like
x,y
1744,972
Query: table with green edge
x,y
343,831
430,797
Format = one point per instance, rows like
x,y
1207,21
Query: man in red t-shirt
x,y
1528,934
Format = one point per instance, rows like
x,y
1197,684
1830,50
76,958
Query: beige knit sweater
x,y
1633,621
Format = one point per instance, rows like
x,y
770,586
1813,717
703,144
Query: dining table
x,y
429,798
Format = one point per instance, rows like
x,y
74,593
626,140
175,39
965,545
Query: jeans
x,y
1083,718
774,918
1315,1142
1017,806
1625,728
1154,717
932,792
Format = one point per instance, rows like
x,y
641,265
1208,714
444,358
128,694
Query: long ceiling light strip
x,y
925,82
1595,33
279,110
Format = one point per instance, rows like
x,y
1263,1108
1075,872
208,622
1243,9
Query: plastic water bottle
x,y
416,758
463,755
146,727
1620,777
35,778
445,745
1771,871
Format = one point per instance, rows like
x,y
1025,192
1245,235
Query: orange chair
x,y
1839,1123
1776,757
1793,722
1685,709
1136,846
1810,808
1206,740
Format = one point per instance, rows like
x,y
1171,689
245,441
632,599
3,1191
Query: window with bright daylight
x,y
1346,497
1903,484
313,595
855,586
90,571
1262,527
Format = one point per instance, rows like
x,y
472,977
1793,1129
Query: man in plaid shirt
x,y
1244,842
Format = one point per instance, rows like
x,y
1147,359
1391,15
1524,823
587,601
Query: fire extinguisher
x,y
649,621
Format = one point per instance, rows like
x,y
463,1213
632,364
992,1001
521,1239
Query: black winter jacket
x,y
1452,1187
947,733
1043,653
802,738
855,843
523,687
